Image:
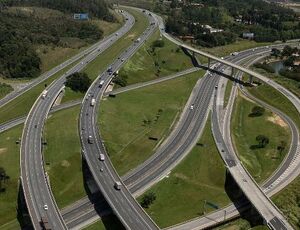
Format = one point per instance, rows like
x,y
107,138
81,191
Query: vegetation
x,y
260,149
4,89
151,61
161,105
288,201
9,159
63,156
97,8
78,82
257,111
269,22
197,181
110,222
148,199
23,29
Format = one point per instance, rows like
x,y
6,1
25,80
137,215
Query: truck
x,y
234,53
44,94
45,223
117,185
102,157
101,84
93,102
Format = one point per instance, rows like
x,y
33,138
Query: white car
x,y
45,207
192,107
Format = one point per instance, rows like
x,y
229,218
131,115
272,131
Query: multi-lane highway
x,y
130,213
39,199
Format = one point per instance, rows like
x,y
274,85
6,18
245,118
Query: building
x,y
248,35
81,16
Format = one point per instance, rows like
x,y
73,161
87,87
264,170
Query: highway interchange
x,y
180,142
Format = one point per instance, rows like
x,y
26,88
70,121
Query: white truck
x,y
102,157
44,94
118,185
101,84
93,102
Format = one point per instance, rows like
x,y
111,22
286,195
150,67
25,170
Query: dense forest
x,y
21,30
268,22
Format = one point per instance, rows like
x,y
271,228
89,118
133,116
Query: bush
x,y
78,82
148,199
158,43
265,67
257,111
262,141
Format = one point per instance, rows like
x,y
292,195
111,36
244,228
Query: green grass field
x,y
9,160
63,157
288,201
260,162
241,224
227,92
100,64
21,105
276,99
5,89
110,222
146,65
198,178
127,121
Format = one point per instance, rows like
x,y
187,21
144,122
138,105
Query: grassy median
x,y
261,162
110,222
198,180
153,62
127,121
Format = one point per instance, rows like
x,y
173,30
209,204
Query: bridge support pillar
x,y
232,72
208,63
250,79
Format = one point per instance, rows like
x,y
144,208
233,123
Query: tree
x,y
148,199
275,52
78,82
3,178
262,141
257,111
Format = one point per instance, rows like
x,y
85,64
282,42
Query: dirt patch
x,y
3,150
131,35
65,164
277,120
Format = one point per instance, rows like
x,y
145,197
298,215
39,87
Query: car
x,y
90,140
117,185
222,58
102,157
191,107
216,86
122,59
101,169
45,207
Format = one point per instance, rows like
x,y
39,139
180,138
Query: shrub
x,y
78,82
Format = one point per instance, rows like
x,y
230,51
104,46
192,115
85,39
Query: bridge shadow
x,y
109,220
197,64
246,210
22,211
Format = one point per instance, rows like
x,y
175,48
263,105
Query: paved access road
x,y
36,188
128,210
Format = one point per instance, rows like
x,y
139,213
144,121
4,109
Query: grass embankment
x,y
273,97
63,157
5,89
106,223
127,121
290,84
288,201
227,92
9,160
22,104
198,178
101,63
241,224
260,162
149,63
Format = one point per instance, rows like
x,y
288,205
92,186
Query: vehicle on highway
x,y
216,86
110,70
138,40
118,185
117,34
45,207
101,84
122,60
102,157
192,107
90,140
234,53
93,102
45,223
44,94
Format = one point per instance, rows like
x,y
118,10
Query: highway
x,y
128,210
37,192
